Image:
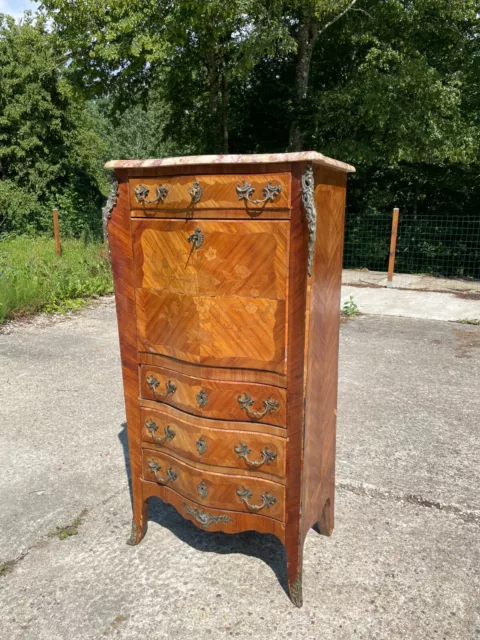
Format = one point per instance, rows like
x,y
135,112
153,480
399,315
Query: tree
x,y
188,53
313,18
47,146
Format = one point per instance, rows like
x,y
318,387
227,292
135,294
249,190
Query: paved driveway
x,y
403,562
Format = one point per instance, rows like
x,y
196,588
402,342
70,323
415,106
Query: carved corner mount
x,y
110,204
308,201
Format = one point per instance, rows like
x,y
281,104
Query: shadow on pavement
x,y
266,547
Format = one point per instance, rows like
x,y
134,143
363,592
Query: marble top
x,y
299,156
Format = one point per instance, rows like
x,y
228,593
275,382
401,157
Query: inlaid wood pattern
x,y
221,397
237,340
221,332
258,453
236,258
322,367
219,491
214,373
214,423
206,518
219,192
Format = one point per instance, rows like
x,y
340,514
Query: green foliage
x,y
34,278
48,148
350,308
388,85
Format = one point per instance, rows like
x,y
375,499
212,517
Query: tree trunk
x,y
225,112
307,35
214,89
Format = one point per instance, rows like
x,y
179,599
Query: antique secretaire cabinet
x,y
227,281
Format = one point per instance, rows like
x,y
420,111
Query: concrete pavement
x,y
404,558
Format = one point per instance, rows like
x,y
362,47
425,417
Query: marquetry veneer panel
x,y
235,493
199,441
240,401
218,192
227,275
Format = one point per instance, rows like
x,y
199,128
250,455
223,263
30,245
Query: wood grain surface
x,y
122,265
222,397
235,523
219,192
214,423
219,491
236,258
297,288
322,367
220,332
256,452
214,373
237,317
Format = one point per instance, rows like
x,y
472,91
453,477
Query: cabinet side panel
x,y
322,361
123,273
297,291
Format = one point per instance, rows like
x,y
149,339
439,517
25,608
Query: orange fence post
x,y
56,232
393,246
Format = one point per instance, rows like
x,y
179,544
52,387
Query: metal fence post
x,y
393,245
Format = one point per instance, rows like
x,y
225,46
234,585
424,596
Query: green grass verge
x,y
33,278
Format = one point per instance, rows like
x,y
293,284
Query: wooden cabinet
x,y
227,275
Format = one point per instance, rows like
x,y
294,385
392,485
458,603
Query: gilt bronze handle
x,y
246,190
195,192
269,406
155,468
141,192
203,518
242,451
267,500
153,383
152,428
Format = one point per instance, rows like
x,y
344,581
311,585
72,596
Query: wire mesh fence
x,y
440,246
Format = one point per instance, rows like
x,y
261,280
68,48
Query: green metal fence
x,y
437,245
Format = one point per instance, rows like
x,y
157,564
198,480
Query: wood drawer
x,y
213,519
235,493
246,259
195,193
190,438
241,401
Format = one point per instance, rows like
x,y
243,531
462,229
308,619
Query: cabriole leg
x,y
294,572
139,522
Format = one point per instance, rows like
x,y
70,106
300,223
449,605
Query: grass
x,y
65,532
33,278
474,321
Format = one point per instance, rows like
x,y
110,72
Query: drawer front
x,y
258,452
219,332
211,257
210,519
254,193
235,493
238,401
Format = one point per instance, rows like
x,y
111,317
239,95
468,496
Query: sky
x,y
16,7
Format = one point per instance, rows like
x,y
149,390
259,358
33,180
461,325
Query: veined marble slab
x,y
299,156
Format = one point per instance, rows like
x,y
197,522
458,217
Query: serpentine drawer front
x,y
258,194
227,273
234,493
215,399
200,441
